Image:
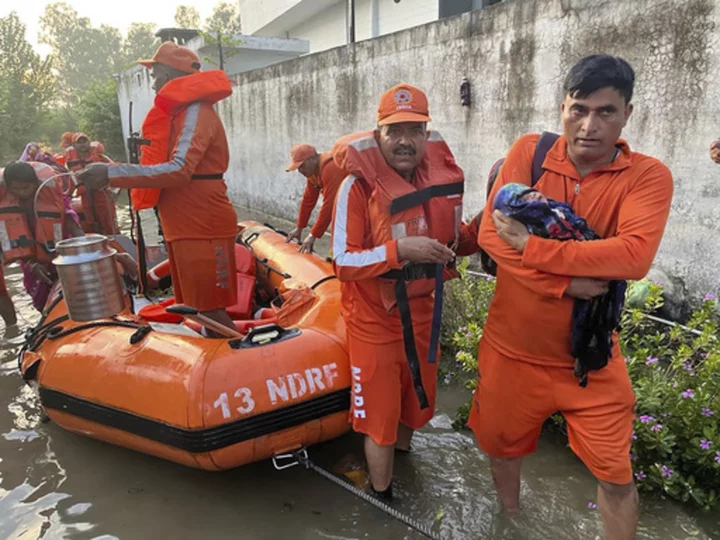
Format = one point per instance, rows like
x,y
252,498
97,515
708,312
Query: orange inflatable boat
x,y
163,389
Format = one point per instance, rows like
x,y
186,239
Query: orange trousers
x,y
514,398
203,273
383,395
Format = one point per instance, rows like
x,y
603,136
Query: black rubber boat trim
x,y
201,440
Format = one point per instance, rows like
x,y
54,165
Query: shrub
x,y
675,373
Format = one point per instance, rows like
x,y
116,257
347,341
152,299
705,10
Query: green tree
x,y
225,19
84,54
139,43
27,88
187,17
99,116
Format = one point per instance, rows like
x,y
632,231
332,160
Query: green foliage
x,y
140,43
26,88
225,19
187,17
675,374
84,54
100,116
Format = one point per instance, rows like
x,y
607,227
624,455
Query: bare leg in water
x,y
618,505
506,477
7,310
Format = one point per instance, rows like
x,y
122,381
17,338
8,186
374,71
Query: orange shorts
x,y
383,395
203,273
514,398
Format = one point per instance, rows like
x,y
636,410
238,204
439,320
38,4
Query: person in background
x,y
525,362
323,177
715,151
33,152
98,206
65,142
182,172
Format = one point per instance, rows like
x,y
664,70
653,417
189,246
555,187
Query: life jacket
x,y
17,239
431,206
205,86
98,208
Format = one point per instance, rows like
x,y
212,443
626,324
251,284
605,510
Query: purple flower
x,y
633,457
709,297
675,384
688,394
705,444
468,335
656,428
646,419
592,505
490,278
627,359
634,436
687,366
707,412
666,472
717,458
640,476
651,361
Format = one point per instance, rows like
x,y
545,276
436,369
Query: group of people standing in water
x,y
393,202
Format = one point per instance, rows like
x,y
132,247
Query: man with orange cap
x,y
181,172
396,217
65,142
323,176
98,206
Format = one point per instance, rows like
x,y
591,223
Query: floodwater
x,y
54,484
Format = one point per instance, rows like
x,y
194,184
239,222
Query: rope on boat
x,y
306,462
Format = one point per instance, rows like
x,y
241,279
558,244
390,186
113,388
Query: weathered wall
x,y
515,54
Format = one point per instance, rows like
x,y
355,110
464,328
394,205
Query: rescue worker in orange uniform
x,y
65,143
526,369
182,172
323,176
98,206
396,217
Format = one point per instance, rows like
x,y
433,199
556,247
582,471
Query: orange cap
x,y
403,103
298,154
66,139
173,55
79,136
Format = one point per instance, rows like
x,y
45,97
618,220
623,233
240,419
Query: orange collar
x,y
559,161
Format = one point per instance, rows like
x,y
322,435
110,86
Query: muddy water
x,y
54,484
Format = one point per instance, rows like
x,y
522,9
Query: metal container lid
x,y
83,249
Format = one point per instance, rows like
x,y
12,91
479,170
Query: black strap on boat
x,y
56,215
216,176
416,198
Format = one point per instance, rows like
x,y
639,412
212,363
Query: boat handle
x,y
285,461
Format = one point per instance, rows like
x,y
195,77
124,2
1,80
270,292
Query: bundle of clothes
x,y
593,321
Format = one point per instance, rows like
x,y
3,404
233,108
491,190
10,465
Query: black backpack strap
x,y
543,146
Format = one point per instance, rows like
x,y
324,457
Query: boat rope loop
x,y
306,462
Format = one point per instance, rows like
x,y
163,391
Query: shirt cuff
x,y
391,252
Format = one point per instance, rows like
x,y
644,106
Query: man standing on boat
x,y
397,215
525,360
323,177
182,173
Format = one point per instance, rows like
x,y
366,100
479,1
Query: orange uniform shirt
x,y
627,203
327,182
190,209
358,264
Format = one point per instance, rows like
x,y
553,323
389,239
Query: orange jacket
x,y
74,162
18,238
627,203
365,232
194,202
326,182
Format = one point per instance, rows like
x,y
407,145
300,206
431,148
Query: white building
x,y
324,23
